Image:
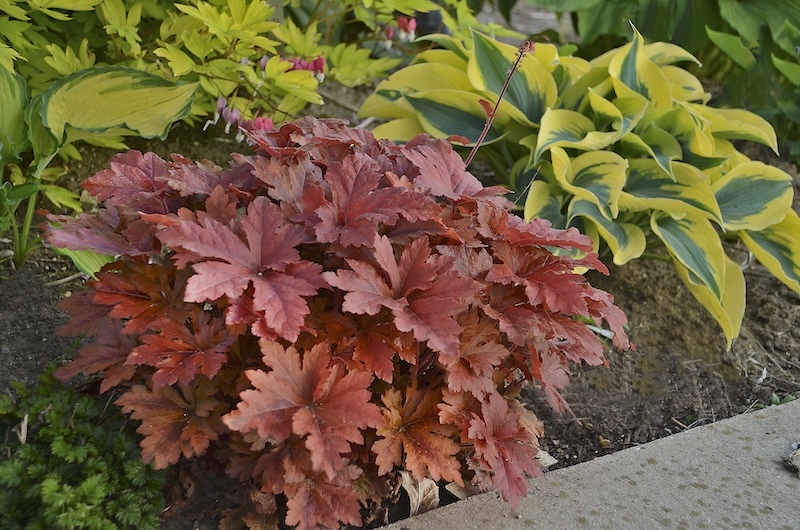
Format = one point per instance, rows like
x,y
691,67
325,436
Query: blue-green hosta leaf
x,y
727,310
567,128
399,130
445,112
693,133
733,47
693,242
649,187
388,102
545,200
625,240
631,66
789,69
596,176
778,249
684,86
656,142
119,97
531,89
753,196
620,115
13,131
737,124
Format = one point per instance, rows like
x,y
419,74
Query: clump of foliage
x,y
625,147
328,311
68,460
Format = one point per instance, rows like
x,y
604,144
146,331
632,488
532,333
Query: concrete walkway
x,y
729,474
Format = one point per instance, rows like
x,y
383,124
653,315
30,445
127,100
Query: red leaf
x,y
181,352
287,178
132,182
317,500
424,292
480,352
263,260
441,170
412,428
358,206
308,398
174,423
504,448
552,371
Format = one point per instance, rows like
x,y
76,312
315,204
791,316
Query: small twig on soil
x,y
64,280
679,423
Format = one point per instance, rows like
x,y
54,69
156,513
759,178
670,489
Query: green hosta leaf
x,y
531,89
733,47
13,131
399,130
567,128
388,102
625,240
778,249
632,67
86,261
45,145
446,112
696,245
737,124
727,310
789,69
119,97
597,177
657,143
545,200
753,196
649,187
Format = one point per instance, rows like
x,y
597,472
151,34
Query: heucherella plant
x,y
624,146
328,311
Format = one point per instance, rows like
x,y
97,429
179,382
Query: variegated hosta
x,y
624,146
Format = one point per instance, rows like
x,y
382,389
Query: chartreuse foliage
x,y
623,146
70,461
328,311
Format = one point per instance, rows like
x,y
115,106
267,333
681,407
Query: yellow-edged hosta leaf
x,y
634,69
13,131
778,249
530,90
118,97
649,187
728,310
545,200
666,53
596,176
738,124
625,240
597,79
655,142
386,101
693,133
399,130
445,112
753,196
621,114
567,128
441,57
693,242
684,86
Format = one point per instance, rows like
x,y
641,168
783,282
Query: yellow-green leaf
x,y
789,69
634,69
62,197
620,115
778,249
753,196
649,187
445,112
545,200
625,240
684,86
13,132
567,128
666,53
727,310
399,130
657,143
733,47
179,61
596,176
693,242
738,124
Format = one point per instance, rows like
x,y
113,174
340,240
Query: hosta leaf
x,y
545,200
634,69
445,112
119,97
656,142
13,132
694,135
571,97
733,47
665,53
753,196
567,128
738,124
597,176
789,69
650,187
778,249
621,114
728,310
684,86
625,240
399,130
694,243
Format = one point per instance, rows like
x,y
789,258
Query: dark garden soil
x,y
679,376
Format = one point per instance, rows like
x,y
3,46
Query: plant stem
x,y
22,246
524,48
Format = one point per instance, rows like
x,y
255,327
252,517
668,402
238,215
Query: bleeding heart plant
x,y
328,311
